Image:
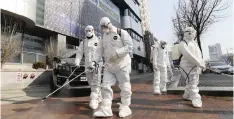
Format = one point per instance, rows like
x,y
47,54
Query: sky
x,y
160,17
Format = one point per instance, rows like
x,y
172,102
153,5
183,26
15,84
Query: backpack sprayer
x,y
176,58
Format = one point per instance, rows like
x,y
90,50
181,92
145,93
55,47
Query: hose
x,y
66,82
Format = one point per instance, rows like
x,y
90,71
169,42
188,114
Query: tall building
x,y
144,16
65,20
215,52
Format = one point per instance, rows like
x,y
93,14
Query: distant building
x,y
144,16
215,52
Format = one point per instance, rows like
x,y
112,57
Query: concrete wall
x,y
13,80
26,8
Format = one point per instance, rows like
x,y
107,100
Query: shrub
x,y
38,65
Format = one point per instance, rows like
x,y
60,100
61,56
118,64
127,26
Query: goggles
x,y
105,26
86,31
188,32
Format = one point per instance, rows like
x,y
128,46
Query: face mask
x,y
89,34
188,36
106,30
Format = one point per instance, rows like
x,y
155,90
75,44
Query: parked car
x,y
219,67
63,70
231,70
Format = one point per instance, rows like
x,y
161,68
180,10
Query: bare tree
x,y
179,26
52,50
11,42
199,14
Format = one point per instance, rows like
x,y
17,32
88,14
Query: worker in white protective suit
x,y
169,69
116,47
191,64
160,64
88,48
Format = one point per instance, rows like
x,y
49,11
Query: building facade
x,y
215,52
144,16
65,21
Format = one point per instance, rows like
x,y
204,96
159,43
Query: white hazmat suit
x,y
115,49
160,64
88,48
191,63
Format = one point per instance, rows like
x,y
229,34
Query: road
x,y
145,105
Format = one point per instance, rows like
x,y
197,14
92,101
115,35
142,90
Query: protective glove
x,y
202,66
92,66
170,76
155,68
113,57
57,59
77,64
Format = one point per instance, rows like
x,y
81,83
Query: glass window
x,y
41,58
38,41
16,59
32,44
29,57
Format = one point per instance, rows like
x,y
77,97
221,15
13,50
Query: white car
x,y
219,67
230,70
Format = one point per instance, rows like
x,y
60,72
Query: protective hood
x,y
189,34
163,44
89,31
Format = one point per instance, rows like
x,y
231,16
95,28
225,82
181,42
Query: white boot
x,y
124,111
100,98
104,110
186,96
164,89
93,104
197,103
156,91
196,100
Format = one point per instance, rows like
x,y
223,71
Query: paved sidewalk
x,y
145,105
30,93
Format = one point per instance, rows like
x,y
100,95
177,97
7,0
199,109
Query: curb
x,y
227,75
132,77
210,91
